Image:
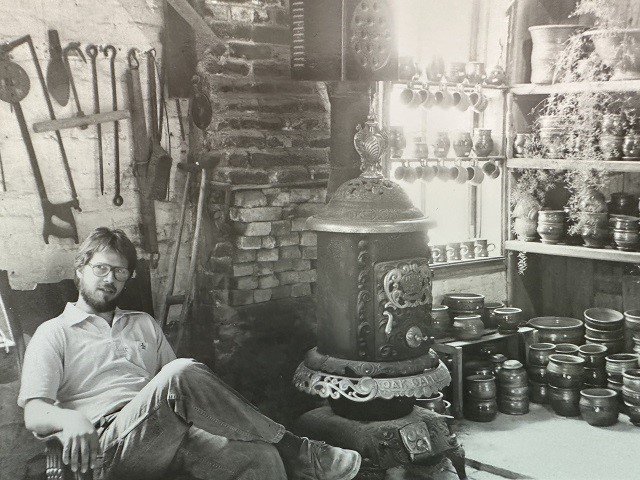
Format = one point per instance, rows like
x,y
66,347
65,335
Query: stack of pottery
x,y
632,330
513,390
566,349
631,394
488,319
559,329
538,359
551,226
507,319
565,374
599,406
480,403
615,366
626,232
595,374
465,309
604,326
612,136
440,321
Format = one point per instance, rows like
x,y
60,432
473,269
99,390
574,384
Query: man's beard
x,y
100,305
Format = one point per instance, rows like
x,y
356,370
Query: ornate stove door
x,y
402,309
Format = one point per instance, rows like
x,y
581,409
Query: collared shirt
x,y
82,363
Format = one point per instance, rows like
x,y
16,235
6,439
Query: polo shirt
x,y
82,363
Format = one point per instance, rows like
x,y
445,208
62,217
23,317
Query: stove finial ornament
x,y
371,143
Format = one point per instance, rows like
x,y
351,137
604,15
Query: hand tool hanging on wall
x,y
14,87
110,49
159,167
141,150
199,105
74,47
57,73
92,51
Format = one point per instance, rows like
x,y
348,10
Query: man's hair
x,y
101,239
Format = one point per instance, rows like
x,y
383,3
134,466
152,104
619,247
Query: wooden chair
x,y
25,310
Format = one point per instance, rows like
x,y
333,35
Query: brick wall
x,y
270,132
134,23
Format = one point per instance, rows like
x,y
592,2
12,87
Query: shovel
x,y
57,73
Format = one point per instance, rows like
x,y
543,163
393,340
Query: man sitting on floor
x,y
107,381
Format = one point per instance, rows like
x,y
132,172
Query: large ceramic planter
x,y
464,302
620,50
468,327
599,406
603,318
559,329
548,43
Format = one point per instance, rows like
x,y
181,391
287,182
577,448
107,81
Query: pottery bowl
x,y
597,334
632,320
481,387
538,392
566,349
631,396
613,346
552,216
539,353
624,222
558,329
626,239
565,371
464,302
594,377
565,401
634,414
599,406
434,403
619,362
487,319
593,354
603,318
508,319
631,379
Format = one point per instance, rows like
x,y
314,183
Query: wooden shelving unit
x,y
621,86
623,166
606,254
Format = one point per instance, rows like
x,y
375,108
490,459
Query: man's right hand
x,y
80,444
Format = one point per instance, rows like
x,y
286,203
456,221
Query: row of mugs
x,y
444,97
468,250
458,173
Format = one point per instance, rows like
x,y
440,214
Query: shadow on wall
x,y
258,349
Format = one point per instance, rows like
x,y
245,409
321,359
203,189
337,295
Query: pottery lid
x,y
511,364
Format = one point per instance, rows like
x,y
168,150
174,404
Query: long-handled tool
x,y
57,73
92,52
74,47
8,47
110,49
14,87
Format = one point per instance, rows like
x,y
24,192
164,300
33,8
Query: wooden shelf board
x,y
449,159
563,164
614,86
606,254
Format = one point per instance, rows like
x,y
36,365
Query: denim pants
x,y
187,419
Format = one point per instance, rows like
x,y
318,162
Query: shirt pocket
x,y
141,353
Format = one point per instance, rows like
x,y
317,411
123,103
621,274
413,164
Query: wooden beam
x,y
195,20
83,121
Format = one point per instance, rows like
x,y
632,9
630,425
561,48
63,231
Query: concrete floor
x,y
545,446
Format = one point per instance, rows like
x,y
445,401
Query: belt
x,y
103,422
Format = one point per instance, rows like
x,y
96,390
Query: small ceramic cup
x,y
453,251
476,175
429,172
459,174
460,99
428,98
406,95
491,169
482,247
478,101
467,251
442,172
443,98
438,253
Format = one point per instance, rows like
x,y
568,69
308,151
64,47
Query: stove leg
x,y
457,460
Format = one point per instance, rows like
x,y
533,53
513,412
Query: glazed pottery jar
x,y
631,146
603,318
599,406
566,349
631,380
618,363
456,72
613,124
550,232
565,371
434,403
634,414
594,355
537,374
626,240
512,374
564,401
539,353
496,76
525,229
487,318
462,144
514,405
595,236
468,327
464,302
483,143
475,72
480,410
553,141
623,204
625,222
508,319
440,320
611,146
481,387
558,329
497,360
549,41
595,377
441,145
538,392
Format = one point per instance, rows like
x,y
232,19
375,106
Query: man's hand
x,y
80,445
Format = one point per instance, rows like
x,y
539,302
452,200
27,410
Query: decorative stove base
x,y
420,441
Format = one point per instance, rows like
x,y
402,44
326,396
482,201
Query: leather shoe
x,y
319,461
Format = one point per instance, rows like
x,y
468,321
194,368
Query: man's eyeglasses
x,y
102,270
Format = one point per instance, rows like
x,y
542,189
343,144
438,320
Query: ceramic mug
x,y
491,169
467,250
478,101
460,99
443,98
459,174
475,72
453,251
438,254
442,172
476,175
428,98
482,247
406,95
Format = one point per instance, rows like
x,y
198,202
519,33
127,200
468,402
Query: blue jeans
x,y
187,418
